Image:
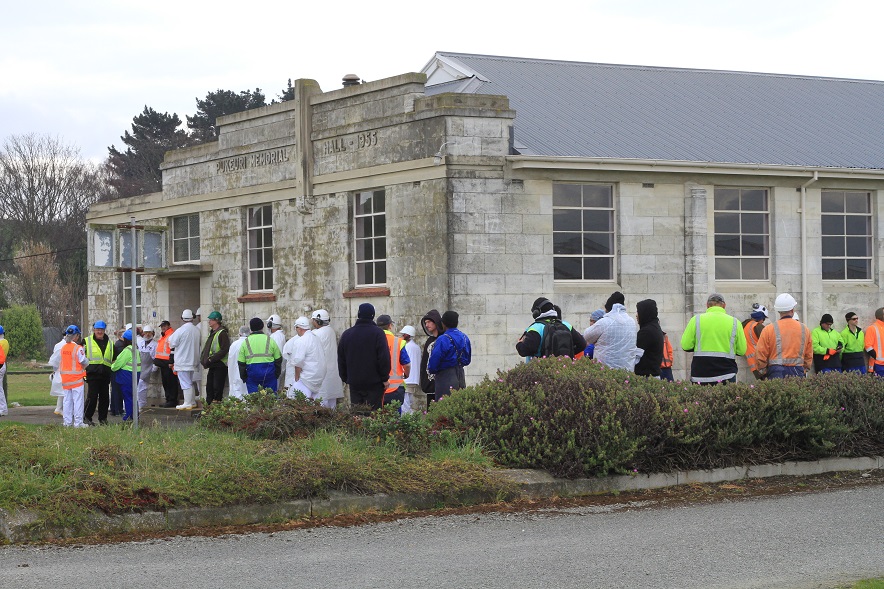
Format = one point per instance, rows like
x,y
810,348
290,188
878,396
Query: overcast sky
x,y
82,70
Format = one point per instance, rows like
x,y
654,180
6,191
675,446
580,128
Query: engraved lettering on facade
x,y
253,160
342,144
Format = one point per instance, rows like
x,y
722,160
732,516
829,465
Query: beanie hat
x,y
826,318
617,297
449,318
256,324
542,305
597,314
366,311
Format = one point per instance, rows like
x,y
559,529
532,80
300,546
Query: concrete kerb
x,y
25,526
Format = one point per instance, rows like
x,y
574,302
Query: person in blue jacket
x,y
450,354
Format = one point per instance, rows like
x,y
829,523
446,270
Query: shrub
x,y
24,332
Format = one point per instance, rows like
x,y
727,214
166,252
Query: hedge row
x,y
579,418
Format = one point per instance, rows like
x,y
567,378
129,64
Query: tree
x,y
24,332
288,93
37,282
137,169
217,104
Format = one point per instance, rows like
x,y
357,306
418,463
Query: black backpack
x,y
556,339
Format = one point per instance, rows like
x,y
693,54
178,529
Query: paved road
x,y
794,542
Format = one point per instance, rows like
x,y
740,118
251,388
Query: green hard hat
x,y
215,315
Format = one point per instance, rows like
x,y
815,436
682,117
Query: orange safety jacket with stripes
x,y
752,331
72,372
786,342
397,374
874,340
667,353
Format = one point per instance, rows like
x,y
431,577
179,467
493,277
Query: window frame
x,y
127,298
740,212
845,214
611,209
263,233
378,240
190,238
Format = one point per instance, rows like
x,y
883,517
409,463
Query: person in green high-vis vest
x,y
122,368
214,357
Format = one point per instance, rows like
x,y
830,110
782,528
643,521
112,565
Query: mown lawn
x,y
29,390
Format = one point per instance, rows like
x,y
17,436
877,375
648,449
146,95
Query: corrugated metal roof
x,y
637,112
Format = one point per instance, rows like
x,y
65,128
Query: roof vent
x,y
351,80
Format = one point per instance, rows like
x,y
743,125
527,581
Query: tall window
x,y
742,234
186,238
370,220
583,232
260,231
127,298
846,223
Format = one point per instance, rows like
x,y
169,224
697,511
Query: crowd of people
x,y
784,347
91,374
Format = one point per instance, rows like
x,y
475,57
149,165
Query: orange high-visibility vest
x,y
667,353
751,342
164,352
786,342
72,372
397,376
874,340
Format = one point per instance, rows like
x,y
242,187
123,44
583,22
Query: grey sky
x,y
82,70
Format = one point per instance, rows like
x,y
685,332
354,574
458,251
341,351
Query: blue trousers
x,y
777,371
666,374
261,375
879,370
125,384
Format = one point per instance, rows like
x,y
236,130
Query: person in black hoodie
x,y
364,359
649,339
432,326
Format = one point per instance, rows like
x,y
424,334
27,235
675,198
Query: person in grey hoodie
x,y
649,338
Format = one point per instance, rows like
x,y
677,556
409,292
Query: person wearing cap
x,y
287,350
853,356
100,354
450,354
614,335
70,362
214,358
237,385
589,350
785,347
752,329
185,342
274,326
431,323
147,347
363,359
116,395
546,317
874,343
415,398
163,359
400,363
716,339
332,387
827,346
122,368
259,359
308,364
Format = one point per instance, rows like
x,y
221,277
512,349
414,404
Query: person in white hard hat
x,y
185,341
237,385
415,398
287,350
274,326
308,364
148,350
785,347
332,387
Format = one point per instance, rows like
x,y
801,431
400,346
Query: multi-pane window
x,y
370,230
260,233
583,232
186,238
127,298
846,227
742,234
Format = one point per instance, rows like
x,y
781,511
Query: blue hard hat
x,y
127,334
72,330
100,325
2,331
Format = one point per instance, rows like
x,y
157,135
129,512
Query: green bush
x,y
24,332
577,418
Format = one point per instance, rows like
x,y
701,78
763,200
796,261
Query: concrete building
x,y
484,182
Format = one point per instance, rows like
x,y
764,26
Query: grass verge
x,y
29,390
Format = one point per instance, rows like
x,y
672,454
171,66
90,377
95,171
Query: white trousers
x,y
185,377
72,409
4,408
299,386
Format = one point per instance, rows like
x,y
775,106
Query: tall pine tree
x,y
137,169
217,104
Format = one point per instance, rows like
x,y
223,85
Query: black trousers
x,y
371,396
170,384
215,382
97,395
